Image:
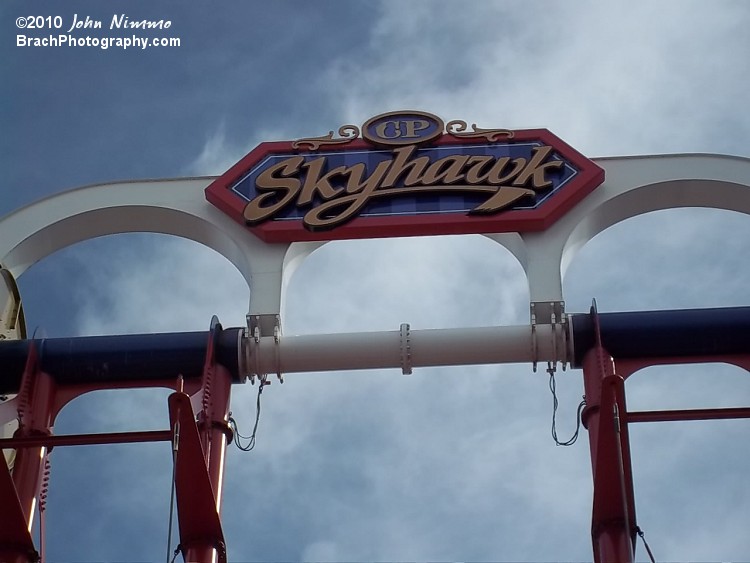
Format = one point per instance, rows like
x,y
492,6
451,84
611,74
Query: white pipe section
x,y
405,349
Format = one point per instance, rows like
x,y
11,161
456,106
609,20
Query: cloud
x,y
610,80
216,156
679,258
429,282
157,283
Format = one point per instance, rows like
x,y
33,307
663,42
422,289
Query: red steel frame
x,y
199,433
613,522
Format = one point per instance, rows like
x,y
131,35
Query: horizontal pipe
x,y
86,439
105,361
681,333
689,414
424,348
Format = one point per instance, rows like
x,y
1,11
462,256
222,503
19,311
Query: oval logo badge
x,y
402,128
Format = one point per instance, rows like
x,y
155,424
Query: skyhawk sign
x,y
409,174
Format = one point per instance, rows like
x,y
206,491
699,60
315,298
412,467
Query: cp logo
x,y
402,128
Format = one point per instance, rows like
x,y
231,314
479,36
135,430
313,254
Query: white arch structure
x,y
633,185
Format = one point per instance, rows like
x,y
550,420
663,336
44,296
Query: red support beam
x,y
52,441
200,471
613,522
200,527
16,544
199,456
689,414
20,488
35,403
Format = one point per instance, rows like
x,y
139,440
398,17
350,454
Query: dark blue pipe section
x,y
653,334
110,359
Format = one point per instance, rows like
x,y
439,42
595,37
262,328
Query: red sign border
x,y
589,176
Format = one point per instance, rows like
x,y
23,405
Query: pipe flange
x,y
405,334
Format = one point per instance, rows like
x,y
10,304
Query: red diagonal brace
x,y
613,527
214,431
16,545
200,526
35,401
18,491
613,523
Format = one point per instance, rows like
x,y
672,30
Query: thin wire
x,y
175,447
233,423
648,549
553,389
176,553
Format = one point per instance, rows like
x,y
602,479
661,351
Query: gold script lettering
x,y
414,125
357,171
536,170
383,128
401,165
446,170
315,183
340,194
476,174
285,186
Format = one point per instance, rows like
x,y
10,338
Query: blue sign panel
x,y
408,174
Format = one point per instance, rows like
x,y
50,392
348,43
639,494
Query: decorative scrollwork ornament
x,y
347,133
458,128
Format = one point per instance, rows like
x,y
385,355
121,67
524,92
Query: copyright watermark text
x,y
63,40
57,31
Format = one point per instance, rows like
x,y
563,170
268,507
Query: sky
x,y
452,463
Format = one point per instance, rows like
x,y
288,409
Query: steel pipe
x,y
109,360
682,333
379,350
105,361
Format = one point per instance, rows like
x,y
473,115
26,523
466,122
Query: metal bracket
x,y
550,313
545,312
259,326
405,349
277,352
266,324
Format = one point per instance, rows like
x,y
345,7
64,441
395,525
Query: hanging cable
x,y
177,551
262,382
555,404
645,544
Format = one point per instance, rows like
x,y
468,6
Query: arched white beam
x,y
175,207
711,181
632,186
297,253
515,244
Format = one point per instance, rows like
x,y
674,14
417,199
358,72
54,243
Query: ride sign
x,y
410,174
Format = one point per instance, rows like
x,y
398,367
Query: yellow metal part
x,y
12,327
